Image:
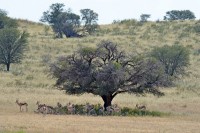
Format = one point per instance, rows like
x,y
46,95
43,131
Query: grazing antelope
x,y
22,104
140,107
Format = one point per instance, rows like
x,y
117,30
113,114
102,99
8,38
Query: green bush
x,y
135,112
196,29
174,58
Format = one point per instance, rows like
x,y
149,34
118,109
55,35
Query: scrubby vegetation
x,y
96,110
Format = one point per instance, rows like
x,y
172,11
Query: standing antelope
x,y
71,108
22,104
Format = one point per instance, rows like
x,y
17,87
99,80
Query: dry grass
x,y
184,108
29,81
84,124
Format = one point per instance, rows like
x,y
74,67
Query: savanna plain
x,y
30,82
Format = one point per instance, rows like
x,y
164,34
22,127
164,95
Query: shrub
x,y
135,112
174,58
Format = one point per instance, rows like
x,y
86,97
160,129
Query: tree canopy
x,y
179,15
89,19
5,21
144,17
107,71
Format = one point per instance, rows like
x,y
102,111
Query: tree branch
x,y
118,92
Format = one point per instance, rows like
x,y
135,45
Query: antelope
x,y
70,108
116,109
109,110
50,109
59,105
22,104
89,108
101,110
43,108
140,107
39,105
57,108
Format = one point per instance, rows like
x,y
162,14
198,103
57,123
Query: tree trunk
x,y
8,67
107,100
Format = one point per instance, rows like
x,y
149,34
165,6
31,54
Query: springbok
x,y
71,108
21,104
44,109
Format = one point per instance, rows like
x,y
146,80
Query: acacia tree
x,y
106,71
179,15
89,18
12,46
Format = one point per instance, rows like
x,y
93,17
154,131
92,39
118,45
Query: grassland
x,y
30,81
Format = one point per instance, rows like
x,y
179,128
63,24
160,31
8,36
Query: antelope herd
x,y
69,108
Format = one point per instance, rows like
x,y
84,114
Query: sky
x,y
108,10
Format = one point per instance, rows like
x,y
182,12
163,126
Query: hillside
x,y
131,35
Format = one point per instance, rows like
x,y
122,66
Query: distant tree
x,y
52,16
179,15
71,24
107,71
144,17
175,58
5,21
12,46
3,12
62,21
89,18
